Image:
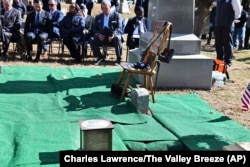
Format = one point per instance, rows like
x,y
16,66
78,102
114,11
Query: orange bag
x,y
220,66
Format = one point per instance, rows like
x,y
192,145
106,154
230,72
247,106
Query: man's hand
x,y
236,21
85,31
4,29
111,38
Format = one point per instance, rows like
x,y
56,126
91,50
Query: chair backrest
x,y
161,33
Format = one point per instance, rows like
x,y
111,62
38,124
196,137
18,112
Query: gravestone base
x,y
184,71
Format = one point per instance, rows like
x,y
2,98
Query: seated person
x,y
38,27
56,16
87,31
11,22
112,22
135,27
71,28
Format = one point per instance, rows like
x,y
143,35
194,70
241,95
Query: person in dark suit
x,y
56,16
71,28
135,27
29,7
88,29
116,4
113,23
58,6
144,4
212,15
38,27
11,22
45,5
226,13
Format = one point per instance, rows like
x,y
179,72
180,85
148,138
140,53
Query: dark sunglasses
x,y
51,4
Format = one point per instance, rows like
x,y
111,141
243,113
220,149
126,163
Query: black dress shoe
x,y
3,58
29,58
77,61
36,60
99,61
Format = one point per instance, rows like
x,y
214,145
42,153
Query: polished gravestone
x,y
179,12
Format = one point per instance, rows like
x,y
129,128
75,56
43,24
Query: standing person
x,y
20,6
144,4
226,12
116,4
71,28
135,27
38,27
58,6
239,30
45,5
29,7
211,21
11,22
107,30
247,33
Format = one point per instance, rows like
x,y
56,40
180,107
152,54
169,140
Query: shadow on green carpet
x,y
197,124
41,107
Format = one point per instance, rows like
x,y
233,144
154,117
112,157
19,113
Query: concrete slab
x,y
184,71
184,44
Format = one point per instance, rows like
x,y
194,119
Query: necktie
x,y
37,19
139,28
6,14
36,24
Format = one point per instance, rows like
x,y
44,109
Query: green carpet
x,y
41,107
149,136
196,124
63,93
